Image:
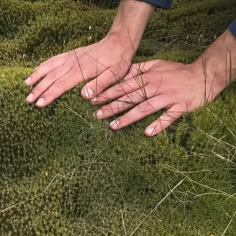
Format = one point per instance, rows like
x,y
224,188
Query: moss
x,y
65,173
94,175
46,29
13,15
25,132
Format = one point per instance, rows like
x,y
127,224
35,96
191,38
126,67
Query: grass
x,y
98,182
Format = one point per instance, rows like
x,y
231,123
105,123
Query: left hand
x,y
155,85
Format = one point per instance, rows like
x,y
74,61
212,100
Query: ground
x,y
65,173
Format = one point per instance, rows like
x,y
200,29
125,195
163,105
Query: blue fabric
x,y
232,27
160,3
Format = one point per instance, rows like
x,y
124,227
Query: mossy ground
x,y
65,173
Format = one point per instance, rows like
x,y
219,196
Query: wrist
x,y
120,46
129,25
229,45
219,60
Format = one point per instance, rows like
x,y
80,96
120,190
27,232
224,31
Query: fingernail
x,y
150,131
28,80
40,102
30,98
94,99
88,93
98,114
115,124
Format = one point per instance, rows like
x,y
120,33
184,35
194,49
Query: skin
x,y
94,63
144,88
178,88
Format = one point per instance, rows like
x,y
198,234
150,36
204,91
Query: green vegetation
x,y
62,172
25,132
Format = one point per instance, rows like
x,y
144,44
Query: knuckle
x,y
115,107
145,107
37,90
48,95
132,98
119,89
119,107
60,87
51,76
111,109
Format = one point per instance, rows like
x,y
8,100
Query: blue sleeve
x,y
167,4
160,3
232,27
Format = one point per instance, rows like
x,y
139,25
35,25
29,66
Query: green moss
x,y
13,15
65,173
25,132
41,29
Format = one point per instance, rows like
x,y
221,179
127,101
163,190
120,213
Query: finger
x,y
144,67
58,88
44,63
96,86
166,66
142,110
47,82
138,69
122,104
135,80
40,65
164,121
40,88
108,77
53,58
121,89
46,68
43,86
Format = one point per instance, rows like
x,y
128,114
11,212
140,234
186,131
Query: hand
x,y
157,85
178,88
103,63
106,61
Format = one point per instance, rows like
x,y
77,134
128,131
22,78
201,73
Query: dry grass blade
x,y
200,184
231,220
159,203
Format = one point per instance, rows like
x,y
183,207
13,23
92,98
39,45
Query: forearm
x,y
219,60
130,22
